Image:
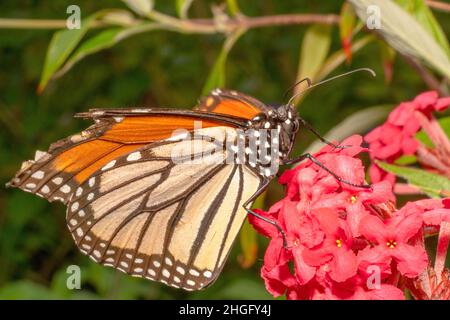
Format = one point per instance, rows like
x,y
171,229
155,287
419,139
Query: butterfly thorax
x,y
275,132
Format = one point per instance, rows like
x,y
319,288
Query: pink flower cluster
x,y
344,242
397,136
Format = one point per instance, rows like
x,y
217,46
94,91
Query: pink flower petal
x,y
343,265
303,271
261,226
384,292
373,229
277,279
442,104
411,260
404,228
436,217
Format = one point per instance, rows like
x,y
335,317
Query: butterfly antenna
x,y
308,81
328,80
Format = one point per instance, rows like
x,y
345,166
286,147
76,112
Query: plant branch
x,y
38,24
438,5
190,25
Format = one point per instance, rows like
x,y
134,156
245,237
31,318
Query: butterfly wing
x,y
168,221
233,103
55,174
132,207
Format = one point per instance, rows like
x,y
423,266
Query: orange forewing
x,y
71,161
146,129
121,138
231,103
86,158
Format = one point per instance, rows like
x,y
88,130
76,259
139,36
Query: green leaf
x,y
216,77
347,21
357,123
432,184
120,18
346,28
26,290
249,246
406,160
314,50
233,7
425,17
404,33
423,137
62,44
182,7
103,40
387,59
244,289
141,7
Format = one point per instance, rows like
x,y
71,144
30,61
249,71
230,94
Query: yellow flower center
x,y
391,244
339,243
353,199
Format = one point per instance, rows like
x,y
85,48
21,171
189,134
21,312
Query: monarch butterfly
x,y
132,207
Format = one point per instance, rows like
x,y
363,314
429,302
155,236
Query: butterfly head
x,y
286,118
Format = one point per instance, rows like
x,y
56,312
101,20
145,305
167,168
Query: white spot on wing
x,y
194,272
190,282
180,270
166,273
79,232
75,206
65,188
38,174
39,154
134,156
109,165
57,180
207,274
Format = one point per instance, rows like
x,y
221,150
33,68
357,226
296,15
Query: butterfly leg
x,y
247,208
321,165
317,134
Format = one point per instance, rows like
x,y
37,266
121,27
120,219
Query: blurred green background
x,y
158,68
